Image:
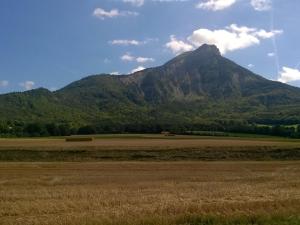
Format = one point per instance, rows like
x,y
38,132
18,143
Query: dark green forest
x,y
220,128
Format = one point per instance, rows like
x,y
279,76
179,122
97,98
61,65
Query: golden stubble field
x,y
157,192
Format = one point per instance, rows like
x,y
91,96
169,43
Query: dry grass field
x,y
157,193
150,180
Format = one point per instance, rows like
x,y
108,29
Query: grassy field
x,y
157,193
150,180
150,148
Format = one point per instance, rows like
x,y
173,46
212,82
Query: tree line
x,y
40,129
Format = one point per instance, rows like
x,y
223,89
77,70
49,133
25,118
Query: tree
x,y
87,130
53,129
36,130
65,129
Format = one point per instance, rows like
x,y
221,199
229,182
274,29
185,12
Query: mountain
x,y
197,87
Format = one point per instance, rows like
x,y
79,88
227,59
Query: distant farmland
x,y
149,148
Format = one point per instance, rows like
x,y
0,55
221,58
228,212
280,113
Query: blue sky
x,y
51,43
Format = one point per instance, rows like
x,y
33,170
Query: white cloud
x,y
144,59
288,75
137,3
127,57
231,38
266,35
177,46
250,66
4,83
102,14
261,5
215,5
115,73
125,42
140,68
28,85
225,40
271,54
242,29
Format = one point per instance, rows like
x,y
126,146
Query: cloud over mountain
x,y
140,68
231,38
27,85
177,46
288,75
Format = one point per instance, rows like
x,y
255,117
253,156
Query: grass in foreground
x,y
165,193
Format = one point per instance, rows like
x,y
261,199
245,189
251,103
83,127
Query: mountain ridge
x,y
199,86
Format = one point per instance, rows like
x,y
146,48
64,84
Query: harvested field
x,y
148,148
160,193
158,143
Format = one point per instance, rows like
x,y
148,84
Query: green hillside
x,y
198,90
